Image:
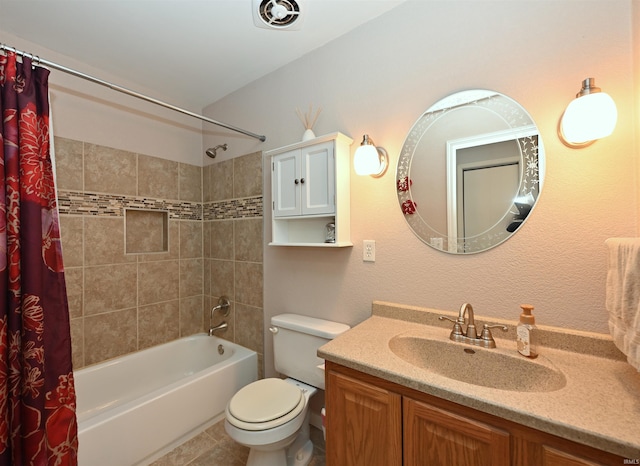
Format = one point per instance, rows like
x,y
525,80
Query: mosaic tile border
x,y
113,205
248,207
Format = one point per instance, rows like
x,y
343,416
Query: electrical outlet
x,y
369,250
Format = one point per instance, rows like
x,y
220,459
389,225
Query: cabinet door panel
x,y
286,192
439,438
318,189
553,457
364,426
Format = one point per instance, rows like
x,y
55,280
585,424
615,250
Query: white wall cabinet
x,y
310,188
304,181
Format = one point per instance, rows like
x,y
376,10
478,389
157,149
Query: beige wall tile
x,y
249,327
222,279
191,320
77,343
174,290
206,183
174,239
190,239
222,239
247,175
71,230
158,323
191,277
109,287
248,283
248,239
109,335
157,178
158,281
260,365
206,277
190,180
221,181
206,239
108,170
104,241
69,164
74,278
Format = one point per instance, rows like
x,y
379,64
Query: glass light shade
x,y
590,117
366,160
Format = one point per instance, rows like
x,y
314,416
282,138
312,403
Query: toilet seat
x,y
265,404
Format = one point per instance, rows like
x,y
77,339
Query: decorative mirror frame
x,y
521,129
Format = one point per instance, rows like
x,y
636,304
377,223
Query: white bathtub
x,y
135,408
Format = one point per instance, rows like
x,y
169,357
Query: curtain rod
x,y
124,90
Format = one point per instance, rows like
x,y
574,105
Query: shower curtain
x,y
37,398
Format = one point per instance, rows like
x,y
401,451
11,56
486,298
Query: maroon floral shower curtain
x,y
37,397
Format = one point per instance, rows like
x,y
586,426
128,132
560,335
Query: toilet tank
x,y
296,340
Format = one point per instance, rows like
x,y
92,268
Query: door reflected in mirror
x,y
470,172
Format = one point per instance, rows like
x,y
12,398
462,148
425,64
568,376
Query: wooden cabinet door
x,y
553,457
318,179
364,424
436,437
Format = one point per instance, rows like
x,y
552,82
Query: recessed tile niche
x,y
146,231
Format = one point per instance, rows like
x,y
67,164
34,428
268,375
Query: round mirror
x,y
470,172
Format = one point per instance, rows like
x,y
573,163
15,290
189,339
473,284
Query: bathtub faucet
x,y
223,305
222,326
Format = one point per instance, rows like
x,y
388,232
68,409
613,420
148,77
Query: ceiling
x,y
186,52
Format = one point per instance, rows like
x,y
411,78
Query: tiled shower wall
x,y
233,230
124,302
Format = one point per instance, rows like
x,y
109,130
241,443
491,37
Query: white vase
x,y
308,134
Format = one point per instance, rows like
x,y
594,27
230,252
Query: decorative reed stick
x,y
308,119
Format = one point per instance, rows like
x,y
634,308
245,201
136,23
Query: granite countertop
x,y
599,405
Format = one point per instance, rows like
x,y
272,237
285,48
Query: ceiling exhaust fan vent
x,y
277,14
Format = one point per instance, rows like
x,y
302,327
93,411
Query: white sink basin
x,y
479,366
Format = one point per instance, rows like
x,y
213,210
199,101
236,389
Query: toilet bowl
x,y
271,417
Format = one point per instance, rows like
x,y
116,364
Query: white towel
x,y
623,296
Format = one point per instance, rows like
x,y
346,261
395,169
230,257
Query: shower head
x,y
211,152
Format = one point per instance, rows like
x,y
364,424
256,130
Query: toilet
x,y
271,416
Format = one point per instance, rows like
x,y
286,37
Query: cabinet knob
x,y
302,180
296,181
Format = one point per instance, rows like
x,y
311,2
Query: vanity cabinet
x,y
310,187
436,436
371,421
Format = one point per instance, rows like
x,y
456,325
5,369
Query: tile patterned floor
x,y
213,447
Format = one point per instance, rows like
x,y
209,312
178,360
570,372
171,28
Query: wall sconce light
x,y
370,159
591,115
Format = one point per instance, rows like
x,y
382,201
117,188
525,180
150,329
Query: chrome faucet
x,y
470,336
223,303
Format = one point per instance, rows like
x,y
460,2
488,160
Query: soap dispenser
x,y
524,332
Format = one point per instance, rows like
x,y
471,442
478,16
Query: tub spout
x,y
223,326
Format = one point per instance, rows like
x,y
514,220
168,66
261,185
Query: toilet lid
x,y
264,401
